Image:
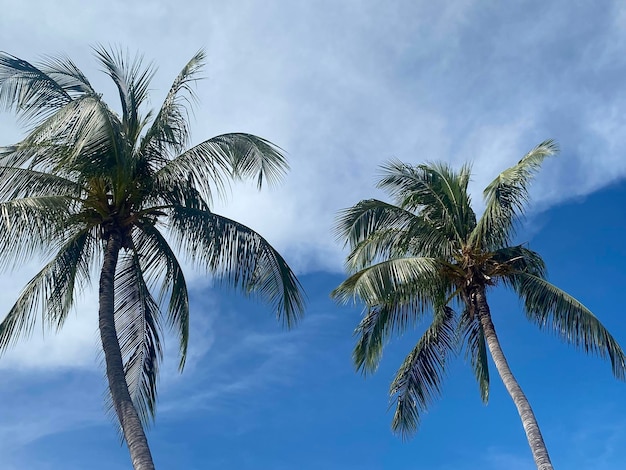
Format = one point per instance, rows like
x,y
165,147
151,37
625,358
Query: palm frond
x,y
16,183
376,231
240,257
506,198
434,190
371,332
555,310
76,138
138,330
160,267
169,130
28,91
418,381
214,163
253,157
518,258
359,222
33,226
170,190
378,246
64,72
476,351
51,291
132,80
453,186
381,321
414,277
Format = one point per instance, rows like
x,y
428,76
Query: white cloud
x,y
74,346
345,86
30,412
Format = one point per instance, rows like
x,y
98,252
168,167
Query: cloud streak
x,y
344,87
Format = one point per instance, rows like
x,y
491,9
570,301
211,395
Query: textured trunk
x,y
123,404
533,434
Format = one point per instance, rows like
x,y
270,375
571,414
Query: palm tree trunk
x,y
122,402
533,434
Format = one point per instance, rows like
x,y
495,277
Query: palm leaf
x,y
132,81
169,190
29,91
253,157
416,277
381,321
506,198
518,258
555,310
418,381
76,138
160,267
33,226
379,246
16,183
476,351
169,130
67,75
240,257
436,191
376,231
360,221
217,161
51,291
138,330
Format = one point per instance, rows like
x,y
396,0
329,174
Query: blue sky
x,y
344,86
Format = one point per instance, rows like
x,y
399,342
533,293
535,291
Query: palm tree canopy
x,y
83,171
424,254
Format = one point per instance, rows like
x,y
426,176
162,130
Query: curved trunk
x,y
124,408
533,434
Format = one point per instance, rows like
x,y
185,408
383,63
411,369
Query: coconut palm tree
x,y
90,188
427,254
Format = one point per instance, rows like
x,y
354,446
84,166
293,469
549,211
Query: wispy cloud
x,y
247,358
69,405
344,86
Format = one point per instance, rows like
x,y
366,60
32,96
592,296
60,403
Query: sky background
x,y
343,86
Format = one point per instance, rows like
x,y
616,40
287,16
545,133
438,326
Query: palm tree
x,y
88,187
426,252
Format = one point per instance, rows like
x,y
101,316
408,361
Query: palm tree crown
x,y
428,253
91,188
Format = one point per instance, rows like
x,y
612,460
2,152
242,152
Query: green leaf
x,y
374,285
418,381
29,91
436,192
33,226
366,218
16,183
476,351
161,268
51,291
555,310
506,198
380,322
132,80
519,258
169,131
138,331
240,257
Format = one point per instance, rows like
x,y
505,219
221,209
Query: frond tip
x,y
555,310
239,257
418,381
506,198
